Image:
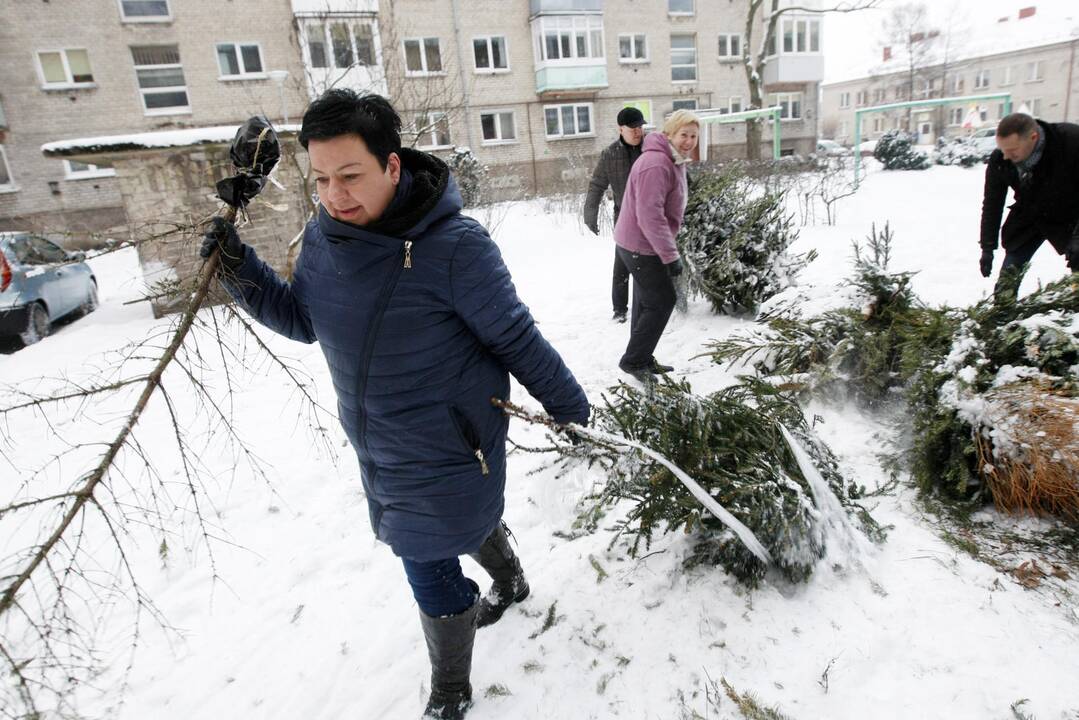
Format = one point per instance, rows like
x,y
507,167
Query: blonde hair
x,y
678,120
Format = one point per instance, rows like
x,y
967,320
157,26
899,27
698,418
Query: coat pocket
x,y
470,438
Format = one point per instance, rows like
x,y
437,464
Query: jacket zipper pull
x,y
483,462
408,255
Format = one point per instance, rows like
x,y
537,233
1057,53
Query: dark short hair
x,y
1020,123
342,112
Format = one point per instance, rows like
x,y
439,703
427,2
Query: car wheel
x,y
91,300
37,324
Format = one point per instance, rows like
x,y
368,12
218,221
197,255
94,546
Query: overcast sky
x,y
854,40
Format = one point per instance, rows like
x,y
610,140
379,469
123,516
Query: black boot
x,y
509,586
449,645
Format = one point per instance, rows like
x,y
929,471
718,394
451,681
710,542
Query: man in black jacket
x,y
1039,161
613,169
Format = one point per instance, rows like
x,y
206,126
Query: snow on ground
x,y
310,617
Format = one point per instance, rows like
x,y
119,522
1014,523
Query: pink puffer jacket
x,y
654,202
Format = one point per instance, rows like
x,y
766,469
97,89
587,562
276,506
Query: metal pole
x,y
775,134
857,145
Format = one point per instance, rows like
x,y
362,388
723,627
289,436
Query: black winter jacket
x,y
612,169
1052,199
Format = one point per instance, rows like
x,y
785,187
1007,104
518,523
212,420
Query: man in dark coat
x,y
421,327
613,170
1039,161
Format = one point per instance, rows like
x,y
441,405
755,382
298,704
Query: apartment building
x,y
1032,57
531,86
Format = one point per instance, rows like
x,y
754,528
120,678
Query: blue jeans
x,y
439,586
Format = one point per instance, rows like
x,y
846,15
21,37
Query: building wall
x,y
1054,97
45,198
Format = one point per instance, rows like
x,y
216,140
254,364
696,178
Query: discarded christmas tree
x,y
735,239
732,443
471,176
895,150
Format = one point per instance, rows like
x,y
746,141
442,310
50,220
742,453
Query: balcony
x,y
569,78
794,69
542,7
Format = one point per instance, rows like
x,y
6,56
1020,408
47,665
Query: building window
x,y
800,35
925,90
844,100
730,46
632,48
880,95
490,54
144,10
498,127
683,58
1008,78
690,104
64,68
432,130
878,124
680,7
568,120
863,96
958,85
790,105
955,116
423,56
161,79
735,104
239,60
340,44
569,38
981,80
1034,71
75,170
6,183
1035,106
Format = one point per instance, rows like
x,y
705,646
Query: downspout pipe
x,y
465,95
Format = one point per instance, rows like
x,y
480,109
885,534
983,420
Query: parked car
x,y
40,282
831,148
984,140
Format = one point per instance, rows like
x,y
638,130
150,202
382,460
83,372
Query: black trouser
x,y
620,285
653,301
1021,238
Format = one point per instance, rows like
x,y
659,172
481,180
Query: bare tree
x,y
755,59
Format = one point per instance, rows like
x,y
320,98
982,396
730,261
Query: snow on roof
x,y
144,141
983,39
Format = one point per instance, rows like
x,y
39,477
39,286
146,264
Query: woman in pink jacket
x,y
652,210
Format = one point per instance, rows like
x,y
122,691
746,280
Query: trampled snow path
x,y
311,618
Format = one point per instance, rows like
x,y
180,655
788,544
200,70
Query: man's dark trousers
x,y
620,285
1021,237
653,302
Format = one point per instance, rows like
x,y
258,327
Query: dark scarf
x,y
422,184
1026,167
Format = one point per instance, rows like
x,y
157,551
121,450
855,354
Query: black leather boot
x,y
449,645
509,586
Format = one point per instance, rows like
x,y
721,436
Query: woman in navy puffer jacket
x,y
421,327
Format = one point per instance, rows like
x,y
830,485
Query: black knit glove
x,y
222,235
986,262
674,268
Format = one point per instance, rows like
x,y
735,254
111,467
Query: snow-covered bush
x,y
732,444
956,151
895,150
734,241
471,176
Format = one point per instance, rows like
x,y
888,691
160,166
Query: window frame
x,y
244,74
862,98
172,110
844,100
10,186
778,100
69,82
682,13
594,33
1035,105
988,77
327,41
442,115
497,112
423,56
778,45
959,84
562,134
145,18
1032,66
956,116
730,57
696,59
633,59
93,171
696,104
490,45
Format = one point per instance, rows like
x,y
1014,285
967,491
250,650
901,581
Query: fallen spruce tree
x,y
989,393
751,450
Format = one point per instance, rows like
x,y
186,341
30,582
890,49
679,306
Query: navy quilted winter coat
x,y
420,329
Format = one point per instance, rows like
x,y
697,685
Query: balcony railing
x,y
538,7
